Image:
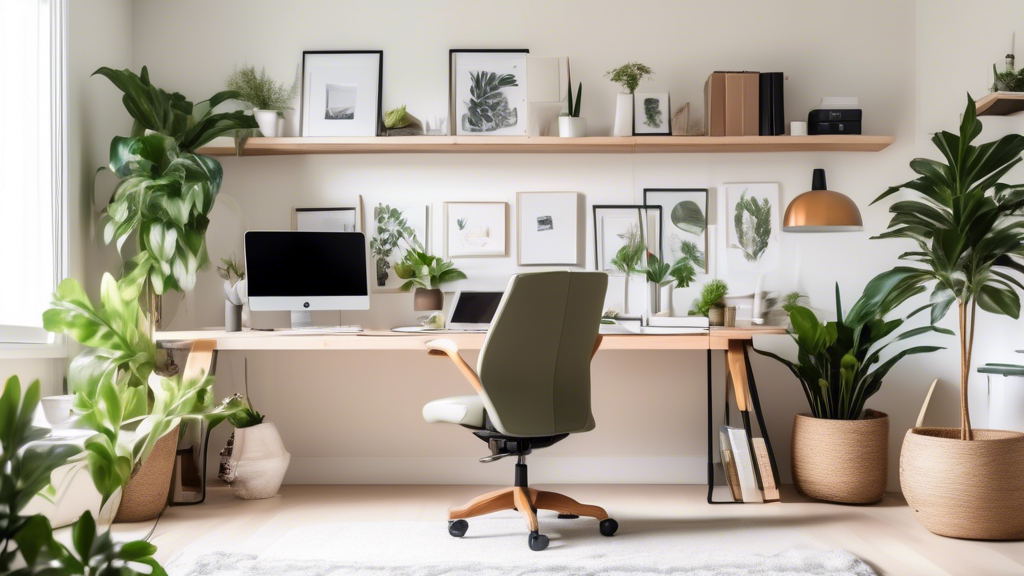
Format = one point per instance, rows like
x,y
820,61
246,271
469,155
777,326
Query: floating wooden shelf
x,y
550,145
1000,103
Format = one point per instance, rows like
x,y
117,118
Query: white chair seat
x,y
464,410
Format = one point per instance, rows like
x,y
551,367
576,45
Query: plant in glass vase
x,y
629,260
969,238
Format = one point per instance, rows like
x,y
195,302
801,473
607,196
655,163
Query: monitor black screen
x,y
305,264
476,307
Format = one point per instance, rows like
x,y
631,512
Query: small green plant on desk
x,y
711,295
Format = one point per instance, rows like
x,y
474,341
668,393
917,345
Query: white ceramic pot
x,y
569,127
267,119
255,462
57,409
623,115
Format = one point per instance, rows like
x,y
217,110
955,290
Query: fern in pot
x,y
840,450
969,236
268,98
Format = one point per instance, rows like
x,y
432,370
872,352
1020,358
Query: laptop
x,y
472,310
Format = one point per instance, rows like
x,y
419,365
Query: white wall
x,y
355,417
100,34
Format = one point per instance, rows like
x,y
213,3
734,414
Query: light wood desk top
x,y
713,339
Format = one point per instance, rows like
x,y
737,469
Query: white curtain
x,y
32,164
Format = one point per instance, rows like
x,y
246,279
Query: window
x,y
33,224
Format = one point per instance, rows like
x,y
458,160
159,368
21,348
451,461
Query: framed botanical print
x,y
475,229
487,92
684,213
395,230
341,92
753,236
550,226
623,236
652,114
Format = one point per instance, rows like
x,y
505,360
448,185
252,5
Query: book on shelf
x,y
744,460
771,491
732,478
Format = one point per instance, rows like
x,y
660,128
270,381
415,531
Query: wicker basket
x,y
842,461
145,495
965,489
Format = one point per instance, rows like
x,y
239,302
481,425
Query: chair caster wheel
x,y
538,541
609,526
457,528
568,516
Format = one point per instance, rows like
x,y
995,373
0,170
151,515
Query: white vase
x,y
623,115
57,409
570,127
255,462
267,120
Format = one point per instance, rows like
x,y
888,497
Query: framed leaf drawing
x,y
623,235
684,213
394,231
487,92
752,211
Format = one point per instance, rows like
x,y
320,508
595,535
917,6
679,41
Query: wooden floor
x,y
885,534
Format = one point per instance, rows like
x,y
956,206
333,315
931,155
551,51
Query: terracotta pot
x,y
842,461
427,300
965,489
145,495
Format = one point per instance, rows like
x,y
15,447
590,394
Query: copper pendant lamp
x,y
822,210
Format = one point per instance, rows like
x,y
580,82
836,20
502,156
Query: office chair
x,y
533,389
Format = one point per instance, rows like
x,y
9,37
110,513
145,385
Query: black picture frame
x,y
451,71
668,121
707,202
639,208
379,124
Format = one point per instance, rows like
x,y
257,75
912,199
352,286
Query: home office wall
x,y
355,417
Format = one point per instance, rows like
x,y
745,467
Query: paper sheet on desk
x,y
611,329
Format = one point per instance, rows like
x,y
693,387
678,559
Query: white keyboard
x,y
326,330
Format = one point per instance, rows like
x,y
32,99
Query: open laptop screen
x,y
474,310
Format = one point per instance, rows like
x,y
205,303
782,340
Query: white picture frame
x,y
749,252
341,93
507,113
650,119
679,210
475,229
549,229
417,218
326,219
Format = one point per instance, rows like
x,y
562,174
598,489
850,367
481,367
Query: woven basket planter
x,y
843,461
145,495
965,489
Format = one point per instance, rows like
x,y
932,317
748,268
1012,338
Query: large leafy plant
x,y
968,231
421,270
27,458
836,362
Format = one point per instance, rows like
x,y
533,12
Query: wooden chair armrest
x,y
445,347
597,344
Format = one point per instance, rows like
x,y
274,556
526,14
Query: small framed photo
x,y
550,226
684,213
487,92
652,114
327,219
475,229
341,92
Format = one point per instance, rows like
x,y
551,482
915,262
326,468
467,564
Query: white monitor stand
x,y
302,319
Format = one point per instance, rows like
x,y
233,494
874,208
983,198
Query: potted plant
x,y
426,273
629,260
399,122
840,450
629,76
969,236
570,125
710,302
268,98
255,460
27,458
662,274
234,292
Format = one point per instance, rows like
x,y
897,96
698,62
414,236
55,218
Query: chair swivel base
x,y
526,501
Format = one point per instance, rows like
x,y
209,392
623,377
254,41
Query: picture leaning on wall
x,y
395,230
487,92
341,93
550,227
684,213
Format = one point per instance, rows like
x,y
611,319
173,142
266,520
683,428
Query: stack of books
x,y
744,103
835,115
747,466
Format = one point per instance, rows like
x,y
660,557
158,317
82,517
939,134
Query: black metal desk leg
x,y
757,410
711,438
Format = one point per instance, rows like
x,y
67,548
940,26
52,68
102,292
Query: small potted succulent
x,y
269,99
570,125
710,302
398,122
426,274
234,292
629,76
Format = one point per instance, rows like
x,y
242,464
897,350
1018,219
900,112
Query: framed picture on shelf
x,y
487,92
394,231
475,229
652,114
549,228
341,92
752,243
684,213
623,235
326,219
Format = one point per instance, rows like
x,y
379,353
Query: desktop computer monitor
x,y
305,271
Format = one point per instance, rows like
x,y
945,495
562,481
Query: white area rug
x,y
497,545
